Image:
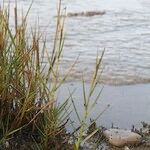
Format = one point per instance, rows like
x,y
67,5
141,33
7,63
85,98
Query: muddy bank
x,y
85,14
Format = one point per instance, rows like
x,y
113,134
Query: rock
x,y
120,137
7,144
145,125
126,148
145,131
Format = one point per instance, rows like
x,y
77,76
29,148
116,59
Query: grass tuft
x,y
27,89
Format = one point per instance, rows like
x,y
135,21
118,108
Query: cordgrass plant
x,y
27,88
89,104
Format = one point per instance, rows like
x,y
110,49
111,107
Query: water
x,y
124,32
129,105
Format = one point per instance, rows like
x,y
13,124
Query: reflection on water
x,y
124,31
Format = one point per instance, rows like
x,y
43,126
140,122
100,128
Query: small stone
x,y
120,137
7,144
126,148
145,131
144,124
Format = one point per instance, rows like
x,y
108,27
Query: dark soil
x,y
27,140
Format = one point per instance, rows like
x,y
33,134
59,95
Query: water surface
x,y
124,32
129,105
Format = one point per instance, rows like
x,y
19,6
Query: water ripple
x,y
124,31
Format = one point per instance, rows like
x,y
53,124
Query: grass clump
x,y
28,109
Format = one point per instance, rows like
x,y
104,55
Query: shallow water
x,y
124,32
129,105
